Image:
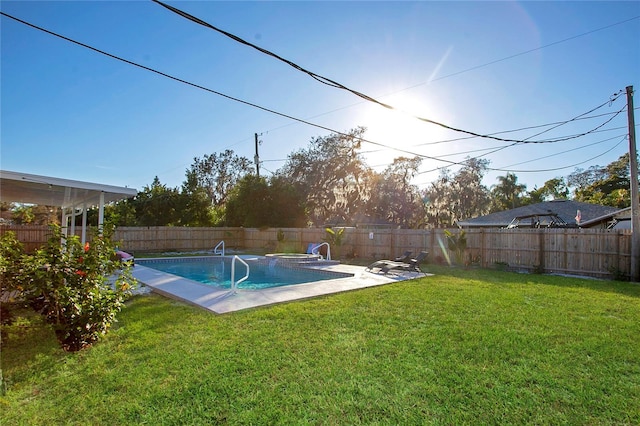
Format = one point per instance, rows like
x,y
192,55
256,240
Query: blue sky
x,y
484,67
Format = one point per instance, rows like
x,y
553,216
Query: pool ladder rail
x,y
316,250
234,283
216,249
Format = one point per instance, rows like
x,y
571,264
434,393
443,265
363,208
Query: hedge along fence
x,y
32,237
592,252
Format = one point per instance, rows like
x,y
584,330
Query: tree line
x,y
330,183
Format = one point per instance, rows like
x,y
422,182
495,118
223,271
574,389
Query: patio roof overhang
x,y
50,191
74,197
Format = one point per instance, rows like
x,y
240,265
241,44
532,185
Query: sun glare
x,y
400,130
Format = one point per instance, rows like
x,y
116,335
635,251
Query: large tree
x,y
607,185
329,174
217,174
438,198
553,189
288,208
198,209
392,196
454,197
471,197
247,204
158,205
257,202
118,213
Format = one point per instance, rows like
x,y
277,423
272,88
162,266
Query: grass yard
x,y
460,347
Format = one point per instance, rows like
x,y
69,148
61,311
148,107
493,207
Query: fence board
x,y
593,252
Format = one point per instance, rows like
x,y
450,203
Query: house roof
x,y
50,191
566,209
618,214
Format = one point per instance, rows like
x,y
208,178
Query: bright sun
x,y
399,129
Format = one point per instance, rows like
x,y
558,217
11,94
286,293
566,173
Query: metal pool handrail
x,y
215,250
316,248
234,284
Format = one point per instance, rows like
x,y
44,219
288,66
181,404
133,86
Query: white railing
x,y
234,283
216,249
316,248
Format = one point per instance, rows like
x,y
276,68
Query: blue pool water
x,y
216,271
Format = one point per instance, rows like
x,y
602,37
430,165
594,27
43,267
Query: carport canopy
x,y
70,195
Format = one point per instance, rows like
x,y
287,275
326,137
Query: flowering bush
x,y
78,288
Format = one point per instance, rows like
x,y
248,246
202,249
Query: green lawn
x,y
460,347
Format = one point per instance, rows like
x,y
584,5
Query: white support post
x,y
101,214
73,220
63,226
84,223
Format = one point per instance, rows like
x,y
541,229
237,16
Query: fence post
x,y
565,238
482,248
541,250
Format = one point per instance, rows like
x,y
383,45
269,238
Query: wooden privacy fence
x,y
591,252
31,237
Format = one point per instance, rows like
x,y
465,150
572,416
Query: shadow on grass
x,y
28,343
507,277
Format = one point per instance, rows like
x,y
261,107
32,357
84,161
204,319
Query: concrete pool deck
x,y
223,301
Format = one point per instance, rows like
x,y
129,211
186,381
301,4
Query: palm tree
x,y
506,193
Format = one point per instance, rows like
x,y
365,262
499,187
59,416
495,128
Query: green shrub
x,y
11,259
618,274
457,244
78,288
335,238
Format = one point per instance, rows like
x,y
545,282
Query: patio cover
x,y
74,197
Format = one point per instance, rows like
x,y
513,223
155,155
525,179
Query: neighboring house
x,y
620,219
567,210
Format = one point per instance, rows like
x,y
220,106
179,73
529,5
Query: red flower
x,y
81,273
86,247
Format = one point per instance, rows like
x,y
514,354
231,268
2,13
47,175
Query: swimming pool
x,y
216,271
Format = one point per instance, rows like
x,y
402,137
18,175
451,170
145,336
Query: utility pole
x,y
635,202
256,159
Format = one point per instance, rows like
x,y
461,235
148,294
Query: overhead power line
x,y
510,170
624,107
333,83
490,148
555,169
624,138
535,49
404,151
518,130
493,150
566,151
290,117
465,138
